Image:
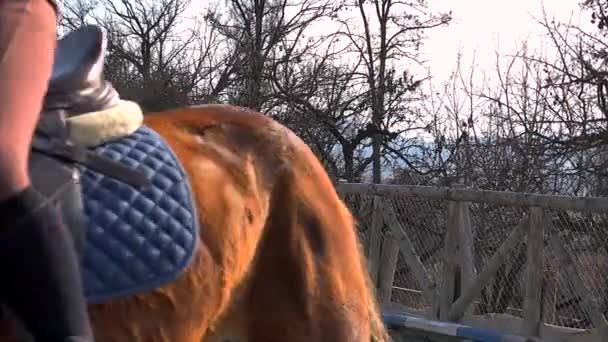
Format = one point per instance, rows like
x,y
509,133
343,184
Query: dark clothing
x,y
42,285
41,281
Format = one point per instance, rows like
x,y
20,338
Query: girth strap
x,y
51,140
81,155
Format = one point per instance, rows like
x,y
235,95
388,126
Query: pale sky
x,y
481,24
478,26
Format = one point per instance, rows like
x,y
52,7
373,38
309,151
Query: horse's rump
x,y
307,274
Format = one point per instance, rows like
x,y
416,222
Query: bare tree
x,y
399,32
326,98
157,55
576,81
354,88
262,32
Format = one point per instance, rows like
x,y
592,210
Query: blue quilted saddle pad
x,y
137,240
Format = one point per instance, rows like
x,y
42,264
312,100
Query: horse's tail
x,y
283,212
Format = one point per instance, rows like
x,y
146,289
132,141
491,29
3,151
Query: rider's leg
x,y
41,282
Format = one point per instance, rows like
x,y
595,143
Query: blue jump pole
x,y
400,320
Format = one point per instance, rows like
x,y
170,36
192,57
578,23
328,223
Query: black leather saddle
x,y
77,85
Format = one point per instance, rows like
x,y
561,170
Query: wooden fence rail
x,y
506,198
452,295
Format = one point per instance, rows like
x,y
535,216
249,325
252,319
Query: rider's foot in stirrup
x,y
42,284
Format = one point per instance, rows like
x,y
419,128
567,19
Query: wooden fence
x,y
461,279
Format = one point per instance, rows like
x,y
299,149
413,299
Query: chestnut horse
x,y
279,258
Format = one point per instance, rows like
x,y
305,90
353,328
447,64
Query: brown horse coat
x,y
279,258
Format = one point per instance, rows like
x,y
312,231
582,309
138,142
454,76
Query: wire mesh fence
x,y
425,220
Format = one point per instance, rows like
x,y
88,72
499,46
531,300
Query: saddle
x,y
76,88
121,190
77,85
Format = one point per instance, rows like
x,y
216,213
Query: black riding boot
x,y
41,281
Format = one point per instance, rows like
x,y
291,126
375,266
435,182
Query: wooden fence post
x,y
589,304
375,239
458,267
490,269
388,256
450,266
534,274
388,266
466,248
